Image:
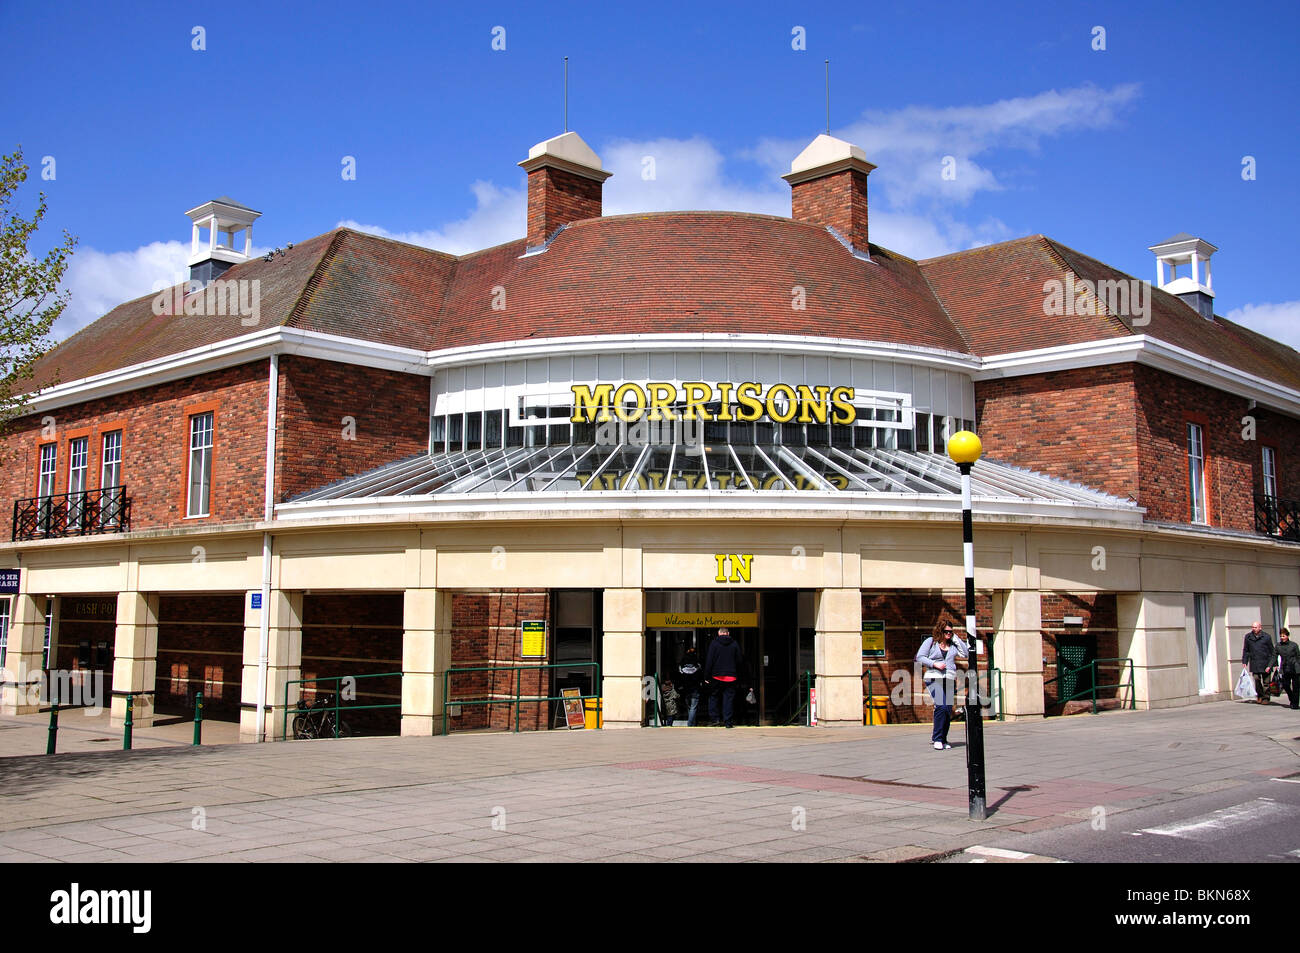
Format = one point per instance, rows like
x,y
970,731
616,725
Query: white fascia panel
x,y
231,353
1150,351
701,341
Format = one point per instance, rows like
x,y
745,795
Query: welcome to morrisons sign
x,y
746,402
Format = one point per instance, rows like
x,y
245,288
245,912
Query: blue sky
x,y
1105,150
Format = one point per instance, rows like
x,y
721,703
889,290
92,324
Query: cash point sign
x,y
743,403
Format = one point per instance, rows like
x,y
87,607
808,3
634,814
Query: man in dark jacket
x,y
722,668
1258,656
1288,654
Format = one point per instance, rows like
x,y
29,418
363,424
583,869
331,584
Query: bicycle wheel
x,y
302,727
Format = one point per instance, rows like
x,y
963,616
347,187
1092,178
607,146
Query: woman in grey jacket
x,y
938,656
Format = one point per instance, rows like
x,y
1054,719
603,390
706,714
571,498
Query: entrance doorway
x,y
765,624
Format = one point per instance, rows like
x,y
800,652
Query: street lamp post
x,y
964,448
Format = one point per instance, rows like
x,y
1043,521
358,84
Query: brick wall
x,y
909,617
1099,631
200,649
389,414
485,631
557,197
352,634
1077,425
838,200
155,443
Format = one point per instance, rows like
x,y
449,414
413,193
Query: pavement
x,y
877,793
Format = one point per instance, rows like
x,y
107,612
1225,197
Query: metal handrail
x,y
1131,685
519,699
336,707
83,513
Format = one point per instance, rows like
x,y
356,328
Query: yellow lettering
x,y
747,397
781,416
587,402
620,402
845,412
740,567
697,395
812,406
721,576
724,392
661,398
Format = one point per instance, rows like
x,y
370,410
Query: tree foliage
x,y
30,301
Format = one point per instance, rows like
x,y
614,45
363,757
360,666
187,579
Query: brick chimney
x,y
565,180
828,187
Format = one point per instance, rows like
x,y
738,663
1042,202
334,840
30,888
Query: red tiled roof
x,y
664,272
692,271
995,293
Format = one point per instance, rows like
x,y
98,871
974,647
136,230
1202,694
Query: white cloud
x,y
498,216
1279,320
100,281
914,210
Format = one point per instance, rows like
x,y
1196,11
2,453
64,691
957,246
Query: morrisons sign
x,y
659,400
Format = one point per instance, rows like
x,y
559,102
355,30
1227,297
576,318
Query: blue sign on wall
x,y
257,600
9,581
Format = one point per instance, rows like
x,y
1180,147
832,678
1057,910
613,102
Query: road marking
x,y
1286,780
998,852
1226,820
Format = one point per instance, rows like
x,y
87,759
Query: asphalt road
x,y
1257,821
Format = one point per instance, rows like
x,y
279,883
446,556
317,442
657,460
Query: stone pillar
x,y
837,651
623,657
1018,652
426,656
1153,633
135,657
283,662
20,692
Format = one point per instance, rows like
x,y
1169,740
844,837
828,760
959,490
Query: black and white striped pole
x,y
965,448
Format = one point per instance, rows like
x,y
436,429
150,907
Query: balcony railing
x,y
88,512
1277,517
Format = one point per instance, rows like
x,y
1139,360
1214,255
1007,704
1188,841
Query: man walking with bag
x,y
1288,654
1258,656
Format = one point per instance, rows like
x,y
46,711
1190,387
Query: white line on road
x,y
1219,823
997,852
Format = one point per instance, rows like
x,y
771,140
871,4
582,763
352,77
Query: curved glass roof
x,y
727,469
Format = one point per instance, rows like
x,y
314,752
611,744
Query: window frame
x,y
1204,471
190,415
103,456
1268,462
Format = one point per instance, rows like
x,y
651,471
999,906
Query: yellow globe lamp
x,y
964,447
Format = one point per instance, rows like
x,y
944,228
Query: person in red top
x,y
722,668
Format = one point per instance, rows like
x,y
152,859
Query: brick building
x,y
356,457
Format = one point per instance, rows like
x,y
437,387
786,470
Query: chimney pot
x,y
828,187
565,182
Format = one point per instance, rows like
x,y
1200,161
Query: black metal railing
x,y
105,510
1277,517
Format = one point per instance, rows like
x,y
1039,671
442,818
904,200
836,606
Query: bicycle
x,y
317,720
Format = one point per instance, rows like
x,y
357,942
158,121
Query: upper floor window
x,y
1196,472
110,473
1270,473
200,482
46,487
78,451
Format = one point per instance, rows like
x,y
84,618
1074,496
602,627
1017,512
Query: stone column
x,y
837,650
426,656
135,657
623,657
1153,633
20,692
1018,652
283,662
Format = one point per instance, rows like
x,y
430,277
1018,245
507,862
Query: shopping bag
x,y
1245,686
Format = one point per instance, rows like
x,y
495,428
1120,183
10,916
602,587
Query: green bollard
x,y
54,729
198,718
126,725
